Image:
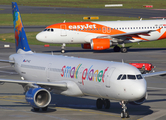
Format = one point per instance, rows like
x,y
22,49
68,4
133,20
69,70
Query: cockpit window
x,y
48,29
124,77
131,77
139,76
119,77
45,29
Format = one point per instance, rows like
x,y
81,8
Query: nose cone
x,y
139,90
40,36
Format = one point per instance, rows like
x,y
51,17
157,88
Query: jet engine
x,y
38,97
140,101
86,46
98,44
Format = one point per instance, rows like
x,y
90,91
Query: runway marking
x,y
9,72
45,115
157,88
87,112
12,98
155,115
5,66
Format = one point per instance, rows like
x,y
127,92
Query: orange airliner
x,y
102,35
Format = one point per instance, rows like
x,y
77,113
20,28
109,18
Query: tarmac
x,y
13,105
141,13
12,100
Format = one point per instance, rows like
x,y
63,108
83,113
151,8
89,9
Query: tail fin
x,y
21,41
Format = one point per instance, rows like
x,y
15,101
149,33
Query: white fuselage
x,y
93,77
83,32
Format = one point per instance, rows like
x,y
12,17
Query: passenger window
x,y
139,76
124,77
119,77
131,77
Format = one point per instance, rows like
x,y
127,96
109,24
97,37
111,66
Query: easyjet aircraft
x,y
72,76
104,34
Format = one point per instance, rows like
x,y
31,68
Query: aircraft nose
x,y
140,90
39,36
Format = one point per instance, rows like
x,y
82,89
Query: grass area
x,y
31,36
88,3
48,19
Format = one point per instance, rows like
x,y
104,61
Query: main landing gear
x,y
124,113
118,49
63,48
106,103
103,102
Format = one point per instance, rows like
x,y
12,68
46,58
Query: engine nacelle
x,y
38,97
98,44
140,101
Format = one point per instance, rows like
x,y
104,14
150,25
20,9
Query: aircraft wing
x,y
154,74
7,61
62,85
129,34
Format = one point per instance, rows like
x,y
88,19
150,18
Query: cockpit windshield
x,y
130,77
49,29
124,77
139,76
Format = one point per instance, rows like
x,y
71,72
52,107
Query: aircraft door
x,y
108,77
63,30
48,72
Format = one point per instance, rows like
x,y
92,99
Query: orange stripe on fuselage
x,y
89,27
163,36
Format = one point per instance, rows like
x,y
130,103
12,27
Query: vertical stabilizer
x,y
20,36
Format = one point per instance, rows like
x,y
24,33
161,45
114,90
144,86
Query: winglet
x,y
20,36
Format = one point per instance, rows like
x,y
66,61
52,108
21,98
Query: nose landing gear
x,y
124,113
63,48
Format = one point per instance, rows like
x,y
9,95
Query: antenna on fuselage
x,y
163,18
140,19
122,61
52,53
64,21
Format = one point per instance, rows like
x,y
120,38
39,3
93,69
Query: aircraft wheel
x,y
45,108
99,103
36,109
123,49
116,49
62,51
124,114
106,103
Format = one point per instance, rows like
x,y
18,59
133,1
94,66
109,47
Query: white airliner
x,y
102,35
73,76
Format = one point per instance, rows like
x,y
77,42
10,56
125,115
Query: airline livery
x,y
73,76
102,35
